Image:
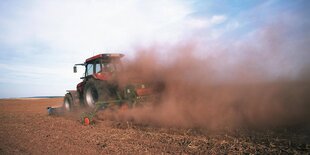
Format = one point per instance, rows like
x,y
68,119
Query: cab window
x,y
97,67
89,69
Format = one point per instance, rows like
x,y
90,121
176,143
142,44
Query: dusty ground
x,y
27,129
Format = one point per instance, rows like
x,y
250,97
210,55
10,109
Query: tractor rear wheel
x,y
90,95
95,91
68,101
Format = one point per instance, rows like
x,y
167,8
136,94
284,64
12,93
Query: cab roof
x,y
105,56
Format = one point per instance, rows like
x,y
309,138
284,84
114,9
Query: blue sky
x,y
40,40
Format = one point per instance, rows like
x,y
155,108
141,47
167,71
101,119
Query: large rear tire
x,y
95,91
68,102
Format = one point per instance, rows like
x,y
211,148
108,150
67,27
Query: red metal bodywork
x,y
80,86
104,56
102,75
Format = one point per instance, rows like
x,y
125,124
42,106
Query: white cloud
x,y
198,23
218,19
205,23
97,25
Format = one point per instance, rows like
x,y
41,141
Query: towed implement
x,y
101,88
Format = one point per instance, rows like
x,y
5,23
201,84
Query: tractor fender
x,y
75,96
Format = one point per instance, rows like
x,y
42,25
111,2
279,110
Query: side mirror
x,y
74,69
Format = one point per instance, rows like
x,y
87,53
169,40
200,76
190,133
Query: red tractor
x,y
100,86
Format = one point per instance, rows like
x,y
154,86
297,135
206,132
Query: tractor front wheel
x,y
68,101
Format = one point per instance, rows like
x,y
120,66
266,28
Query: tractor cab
x,y
101,66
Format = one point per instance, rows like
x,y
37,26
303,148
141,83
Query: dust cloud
x,y
265,85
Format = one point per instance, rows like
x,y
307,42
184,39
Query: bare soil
x,y
27,129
